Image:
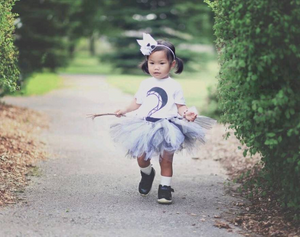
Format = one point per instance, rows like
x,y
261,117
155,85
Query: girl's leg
x,y
145,165
166,164
142,162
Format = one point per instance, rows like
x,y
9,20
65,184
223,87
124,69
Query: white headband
x,y
148,44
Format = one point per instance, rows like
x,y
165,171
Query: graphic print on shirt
x,y
162,99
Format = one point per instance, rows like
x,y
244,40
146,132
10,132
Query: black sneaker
x,y
146,183
164,194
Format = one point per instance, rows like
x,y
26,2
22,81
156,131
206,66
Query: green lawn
x,y
40,83
83,63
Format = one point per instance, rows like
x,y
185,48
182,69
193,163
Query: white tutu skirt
x,y
139,136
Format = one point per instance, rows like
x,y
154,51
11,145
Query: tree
x,y
9,72
91,19
43,33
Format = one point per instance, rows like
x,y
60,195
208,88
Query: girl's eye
x,y
151,63
162,63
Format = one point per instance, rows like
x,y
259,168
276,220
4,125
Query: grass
x,y
40,83
84,63
127,83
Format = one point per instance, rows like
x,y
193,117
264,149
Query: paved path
x,y
88,188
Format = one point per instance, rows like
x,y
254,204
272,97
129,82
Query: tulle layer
x,y
139,136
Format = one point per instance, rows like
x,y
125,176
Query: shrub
x,y
9,73
259,85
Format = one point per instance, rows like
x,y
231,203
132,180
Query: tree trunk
x,y
92,45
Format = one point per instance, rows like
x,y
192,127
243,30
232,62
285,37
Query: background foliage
x,y
44,33
9,73
180,22
260,83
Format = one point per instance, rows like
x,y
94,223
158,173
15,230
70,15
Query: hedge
x,y
259,85
9,73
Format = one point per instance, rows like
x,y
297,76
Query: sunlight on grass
x,y
84,63
41,83
127,83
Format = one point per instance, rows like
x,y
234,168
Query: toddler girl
x,y
163,123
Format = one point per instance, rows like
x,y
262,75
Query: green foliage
x,y
44,33
196,19
48,31
9,73
91,22
258,43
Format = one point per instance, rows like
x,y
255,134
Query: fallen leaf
x,y
221,225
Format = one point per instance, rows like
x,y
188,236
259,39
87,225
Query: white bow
x,y
147,44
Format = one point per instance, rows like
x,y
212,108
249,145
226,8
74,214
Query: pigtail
x,y
179,65
144,66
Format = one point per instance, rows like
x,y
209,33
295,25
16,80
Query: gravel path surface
x,y
88,187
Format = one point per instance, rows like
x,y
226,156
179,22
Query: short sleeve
x,y
178,96
139,95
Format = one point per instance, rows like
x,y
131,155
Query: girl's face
x,y
159,66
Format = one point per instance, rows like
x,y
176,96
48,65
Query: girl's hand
x,y
190,115
120,112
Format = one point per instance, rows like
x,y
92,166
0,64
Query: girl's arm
x,y
131,107
183,110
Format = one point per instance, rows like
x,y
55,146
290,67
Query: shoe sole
x,y
145,195
164,201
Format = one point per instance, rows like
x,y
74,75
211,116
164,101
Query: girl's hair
x,y
170,56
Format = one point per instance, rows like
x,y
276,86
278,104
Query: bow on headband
x,y
147,44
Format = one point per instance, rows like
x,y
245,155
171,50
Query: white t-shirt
x,y
158,98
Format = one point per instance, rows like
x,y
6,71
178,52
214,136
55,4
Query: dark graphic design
x,y
162,98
